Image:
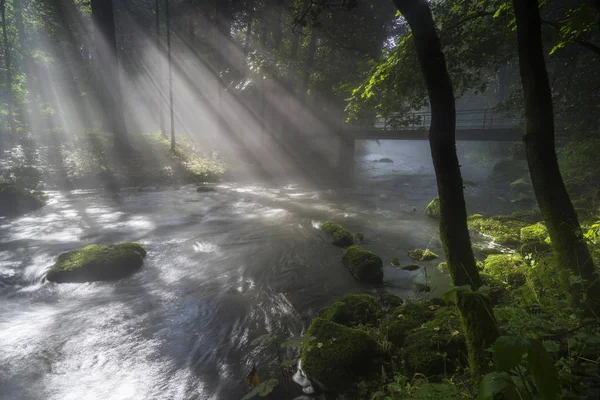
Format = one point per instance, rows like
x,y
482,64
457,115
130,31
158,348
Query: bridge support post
x,y
346,160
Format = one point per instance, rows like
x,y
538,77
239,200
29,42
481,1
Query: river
x,y
222,268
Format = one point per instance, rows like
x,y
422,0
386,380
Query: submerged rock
x,y
385,160
205,188
422,255
340,235
97,263
339,356
395,262
411,267
363,264
15,201
353,310
433,208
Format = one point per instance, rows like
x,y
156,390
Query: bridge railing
x,y
465,119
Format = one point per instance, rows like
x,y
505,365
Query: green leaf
x,y
262,390
509,351
494,383
551,346
262,340
455,290
296,341
543,371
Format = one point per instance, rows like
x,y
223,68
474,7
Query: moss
x,y
395,330
443,267
422,255
411,267
486,250
389,300
531,216
339,355
433,208
414,314
507,268
504,231
534,233
395,262
363,264
97,263
15,201
353,310
360,236
340,236
524,200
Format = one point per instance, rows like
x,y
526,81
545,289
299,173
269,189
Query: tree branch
x,y
583,43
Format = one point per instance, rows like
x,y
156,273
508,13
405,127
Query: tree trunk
x,y
278,24
170,62
107,72
159,86
310,60
8,73
476,313
552,197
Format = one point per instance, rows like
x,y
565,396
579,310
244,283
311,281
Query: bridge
x,y
471,125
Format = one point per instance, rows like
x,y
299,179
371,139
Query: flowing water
x,y
222,268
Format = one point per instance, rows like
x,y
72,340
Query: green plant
x,y
524,370
262,389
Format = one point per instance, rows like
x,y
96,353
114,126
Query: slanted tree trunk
x,y
8,73
475,310
107,72
170,62
552,197
159,86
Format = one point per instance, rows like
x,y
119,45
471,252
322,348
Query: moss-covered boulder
x,y
536,249
534,233
504,231
433,208
395,262
339,235
15,201
339,356
389,300
507,268
353,310
363,264
411,267
97,263
443,267
422,255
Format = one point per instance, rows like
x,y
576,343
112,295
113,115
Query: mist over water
x,y
223,268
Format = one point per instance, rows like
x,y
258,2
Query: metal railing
x,y
465,119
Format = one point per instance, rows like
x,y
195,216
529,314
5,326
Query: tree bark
x,y
478,320
170,62
552,197
8,73
107,72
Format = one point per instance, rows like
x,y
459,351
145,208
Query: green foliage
x,y
577,22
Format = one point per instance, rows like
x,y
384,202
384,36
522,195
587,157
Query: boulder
x,y
97,263
339,356
507,268
422,255
433,208
504,231
15,201
353,310
339,235
411,267
363,264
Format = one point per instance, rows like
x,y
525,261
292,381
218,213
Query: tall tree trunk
x,y
8,73
32,115
475,310
552,197
159,86
107,72
170,61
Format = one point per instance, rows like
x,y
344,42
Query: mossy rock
x,y
97,263
414,314
395,262
520,186
486,250
363,264
422,255
507,268
534,233
353,310
443,267
411,267
205,188
531,216
339,356
536,248
15,201
508,170
339,235
504,231
433,208
437,346
360,236
389,300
